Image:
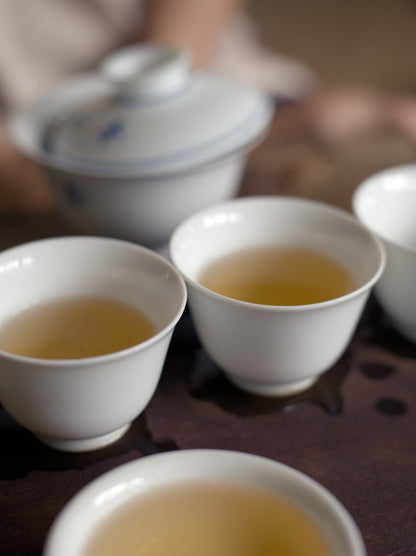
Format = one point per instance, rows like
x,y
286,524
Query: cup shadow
x,y
25,453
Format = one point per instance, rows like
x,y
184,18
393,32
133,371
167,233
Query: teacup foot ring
x,y
273,390
84,444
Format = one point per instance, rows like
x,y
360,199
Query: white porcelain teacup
x,y
98,506
275,349
88,402
386,204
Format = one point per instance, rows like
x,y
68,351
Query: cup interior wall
x,y
42,271
388,207
104,496
275,222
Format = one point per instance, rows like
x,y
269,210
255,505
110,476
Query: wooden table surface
x,y
354,431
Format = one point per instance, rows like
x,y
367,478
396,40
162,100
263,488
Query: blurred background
x,y
369,42
349,44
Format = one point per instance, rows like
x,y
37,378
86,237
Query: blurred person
x,y
44,42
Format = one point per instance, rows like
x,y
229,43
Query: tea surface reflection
x,y
208,519
278,276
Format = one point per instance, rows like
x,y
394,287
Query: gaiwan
x,y
143,142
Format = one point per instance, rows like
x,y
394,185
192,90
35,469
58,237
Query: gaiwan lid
x,y
158,117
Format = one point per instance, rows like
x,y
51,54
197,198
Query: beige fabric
x,y
42,41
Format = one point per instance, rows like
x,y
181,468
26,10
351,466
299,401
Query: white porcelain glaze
x,y
147,211
146,71
386,203
272,350
172,161
158,118
85,511
84,404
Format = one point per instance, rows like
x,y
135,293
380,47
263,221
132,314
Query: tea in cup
x,y
204,502
386,204
276,286
85,324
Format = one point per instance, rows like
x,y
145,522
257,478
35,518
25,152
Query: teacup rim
x,y
348,216
250,463
108,357
368,182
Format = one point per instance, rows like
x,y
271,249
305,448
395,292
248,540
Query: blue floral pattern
x,y
72,194
111,131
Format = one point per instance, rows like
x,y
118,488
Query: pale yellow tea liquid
x,y
208,520
73,328
278,276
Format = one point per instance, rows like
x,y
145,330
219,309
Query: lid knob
x,y
147,70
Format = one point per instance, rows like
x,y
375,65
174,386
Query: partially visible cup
x,y
85,403
102,517
267,349
386,204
